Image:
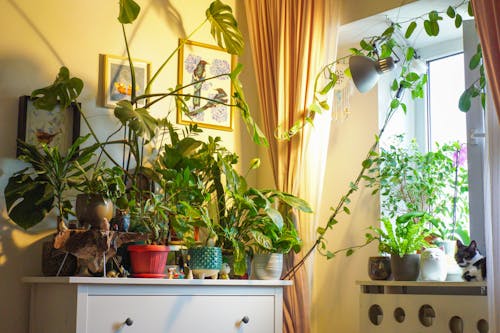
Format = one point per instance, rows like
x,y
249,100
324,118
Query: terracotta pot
x,y
379,268
92,208
148,260
405,268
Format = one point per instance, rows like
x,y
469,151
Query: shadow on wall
x,y
20,255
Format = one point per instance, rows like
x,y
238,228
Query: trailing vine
x,y
376,47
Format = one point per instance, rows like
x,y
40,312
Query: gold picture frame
x,y
197,62
117,79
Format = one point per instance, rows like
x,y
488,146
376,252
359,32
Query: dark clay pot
x,y
379,268
405,268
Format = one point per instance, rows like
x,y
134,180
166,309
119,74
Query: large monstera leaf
x,y
224,27
139,120
28,200
63,91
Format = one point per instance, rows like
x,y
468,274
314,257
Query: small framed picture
x,y
118,82
198,62
56,128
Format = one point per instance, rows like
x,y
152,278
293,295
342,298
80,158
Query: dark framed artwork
x,y
197,62
56,128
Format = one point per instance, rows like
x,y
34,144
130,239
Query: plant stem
x,y
331,221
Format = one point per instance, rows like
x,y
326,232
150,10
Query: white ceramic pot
x,y
267,266
433,265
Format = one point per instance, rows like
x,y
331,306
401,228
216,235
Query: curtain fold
x,y
487,14
287,40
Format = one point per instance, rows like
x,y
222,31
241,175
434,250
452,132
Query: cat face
x,y
432,254
465,253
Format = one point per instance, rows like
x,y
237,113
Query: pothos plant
x,y
376,47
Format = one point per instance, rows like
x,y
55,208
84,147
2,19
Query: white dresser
x,y
112,305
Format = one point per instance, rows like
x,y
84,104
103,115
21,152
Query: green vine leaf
x,y
450,12
464,103
458,21
410,29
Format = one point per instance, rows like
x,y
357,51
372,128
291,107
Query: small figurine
x,y
224,271
171,273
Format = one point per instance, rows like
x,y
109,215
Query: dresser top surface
x,y
148,281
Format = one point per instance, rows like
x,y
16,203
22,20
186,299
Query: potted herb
x,y
402,239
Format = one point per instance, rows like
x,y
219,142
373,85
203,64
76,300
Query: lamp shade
x,y
365,71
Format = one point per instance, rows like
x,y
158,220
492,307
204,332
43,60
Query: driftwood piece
x,y
90,247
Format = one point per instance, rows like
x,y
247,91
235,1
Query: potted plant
x,y
99,192
35,190
402,239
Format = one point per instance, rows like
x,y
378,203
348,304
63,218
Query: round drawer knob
x,y
128,322
245,319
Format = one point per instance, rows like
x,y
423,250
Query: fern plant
x,y
405,236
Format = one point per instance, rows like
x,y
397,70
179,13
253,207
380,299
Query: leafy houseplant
x,y
401,241
44,185
412,181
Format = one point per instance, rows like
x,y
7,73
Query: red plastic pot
x,y
148,260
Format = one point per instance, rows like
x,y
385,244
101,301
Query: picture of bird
x,y
220,96
44,137
198,75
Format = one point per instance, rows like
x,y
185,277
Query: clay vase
x,y
379,268
92,208
405,268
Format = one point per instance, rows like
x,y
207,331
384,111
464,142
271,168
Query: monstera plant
x,y
135,119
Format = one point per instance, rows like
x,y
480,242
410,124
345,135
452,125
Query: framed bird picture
x,y
56,128
203,73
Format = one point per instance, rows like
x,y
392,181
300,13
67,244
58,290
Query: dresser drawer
x,y
180,313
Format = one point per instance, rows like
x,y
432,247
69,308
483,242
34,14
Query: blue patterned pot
x,y
205,261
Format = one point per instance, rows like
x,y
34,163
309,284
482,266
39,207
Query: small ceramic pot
x,y
405,268
379,268
267,266
205,261
433,265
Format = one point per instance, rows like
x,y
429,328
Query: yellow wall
x,y
40,36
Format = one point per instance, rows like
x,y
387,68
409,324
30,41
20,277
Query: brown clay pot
x,y
91,209
379,268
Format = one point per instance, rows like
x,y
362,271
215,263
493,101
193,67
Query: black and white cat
x,y
473,264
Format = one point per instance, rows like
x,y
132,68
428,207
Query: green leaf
x,y
346,210
450,12
261,239
349,252
412,76
36,200
63,91
394,85
458,21
428,28
410,52
475,61
394,103
328,86
239,98
129,10
470,10
330,255
464,103
365,46
139,120
224,28
321,230
367,163
410,29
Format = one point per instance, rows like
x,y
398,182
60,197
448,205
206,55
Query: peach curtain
x,y
487,13
287,39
